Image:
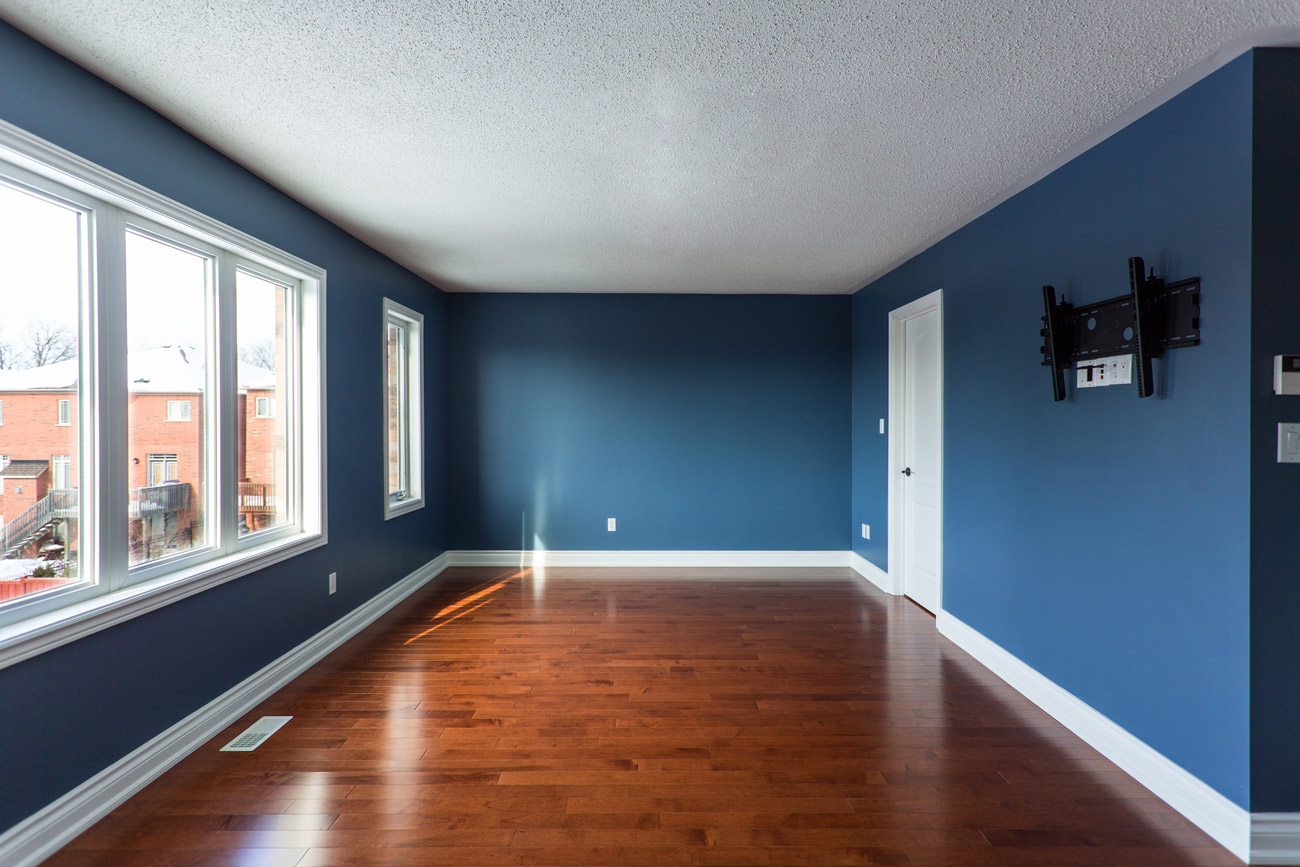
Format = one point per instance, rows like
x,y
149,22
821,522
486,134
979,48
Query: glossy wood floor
x,y
609,717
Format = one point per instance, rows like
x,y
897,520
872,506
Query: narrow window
x,y
403,408
62,472
2,417
265,407
65,412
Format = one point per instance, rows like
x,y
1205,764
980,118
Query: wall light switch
x,y
1288,443
882,425
334,583
610,524
866,531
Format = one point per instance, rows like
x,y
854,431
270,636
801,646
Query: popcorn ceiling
x,y
725,146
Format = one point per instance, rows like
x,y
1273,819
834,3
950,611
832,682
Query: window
x,y
162,468
178,410
120,300
2,420
265,407
404,409
62,472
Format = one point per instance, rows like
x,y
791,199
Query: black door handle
x,y
907,471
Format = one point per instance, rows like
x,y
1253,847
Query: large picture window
x,y
116,303
403,408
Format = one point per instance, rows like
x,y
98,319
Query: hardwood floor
x,y
618,717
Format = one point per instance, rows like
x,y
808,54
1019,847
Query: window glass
x,y
263,308
40,291
403,409
398,412
167,298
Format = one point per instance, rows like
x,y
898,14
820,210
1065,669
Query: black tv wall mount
x,y
1152,317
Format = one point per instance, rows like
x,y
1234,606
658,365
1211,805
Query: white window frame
x,y
65,412
109,206
259,402
409,496
179,410
2,417
55,471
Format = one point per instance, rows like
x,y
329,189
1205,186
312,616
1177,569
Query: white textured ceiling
x,y
690,146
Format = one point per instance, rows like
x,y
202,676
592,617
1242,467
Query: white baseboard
x,y
1275,838
872,573
38,836
657,559
1210,811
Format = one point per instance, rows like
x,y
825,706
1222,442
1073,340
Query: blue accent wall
x,y
1275,488
1105,540
84,705
715,422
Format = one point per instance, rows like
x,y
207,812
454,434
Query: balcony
x,y
160,499
256,498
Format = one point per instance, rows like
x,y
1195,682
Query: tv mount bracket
x,y
1152,317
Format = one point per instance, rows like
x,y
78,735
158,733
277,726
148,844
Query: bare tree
x,y
8,355
261,354
46,342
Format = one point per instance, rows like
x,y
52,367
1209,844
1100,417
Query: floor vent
x,y
252,737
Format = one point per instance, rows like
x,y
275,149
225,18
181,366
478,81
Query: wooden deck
x,y
650,717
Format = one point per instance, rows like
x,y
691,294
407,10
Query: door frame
x,y
897,366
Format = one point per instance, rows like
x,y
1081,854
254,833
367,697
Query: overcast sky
x,y
38,281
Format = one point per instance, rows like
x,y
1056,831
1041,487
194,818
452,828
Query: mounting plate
x,y
1153,317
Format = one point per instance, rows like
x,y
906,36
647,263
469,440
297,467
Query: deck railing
x,y
155,499
60,503
257,498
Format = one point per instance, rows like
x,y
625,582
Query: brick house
x,y
166,460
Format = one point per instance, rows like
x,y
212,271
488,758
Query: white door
x,y
918,455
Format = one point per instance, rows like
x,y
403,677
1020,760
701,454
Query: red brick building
x,y
166,461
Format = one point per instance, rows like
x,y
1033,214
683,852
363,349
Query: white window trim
x,y
257,407
64,418
32,626
187,413
413,322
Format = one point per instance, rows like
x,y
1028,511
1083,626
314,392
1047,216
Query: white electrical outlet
x,y
1098,372
334,582
866,531
610,525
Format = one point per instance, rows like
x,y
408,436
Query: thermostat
x,y
1286,374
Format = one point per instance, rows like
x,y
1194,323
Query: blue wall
x,y
1275,488
699,422
1104,540
83,706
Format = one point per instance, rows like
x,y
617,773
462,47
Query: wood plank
x,y
648,717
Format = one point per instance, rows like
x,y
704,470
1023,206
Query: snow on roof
x,y
161,370
61,375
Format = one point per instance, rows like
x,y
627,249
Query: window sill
x,y
35,635
401,507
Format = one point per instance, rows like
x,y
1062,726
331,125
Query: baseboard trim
x,y
661,559
1275,838
872,573
43,833
1210,811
